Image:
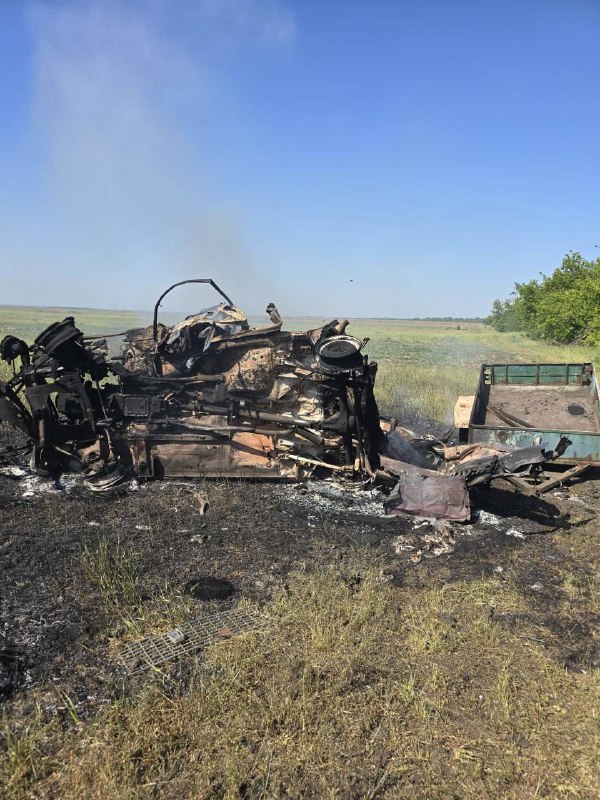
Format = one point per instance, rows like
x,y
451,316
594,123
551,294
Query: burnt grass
x,y
61,629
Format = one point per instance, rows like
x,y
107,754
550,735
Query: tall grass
x,y
355,690
110,568
422,390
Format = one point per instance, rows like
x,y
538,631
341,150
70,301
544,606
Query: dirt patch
x,y
570,408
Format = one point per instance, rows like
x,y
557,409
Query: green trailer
x,y
552,405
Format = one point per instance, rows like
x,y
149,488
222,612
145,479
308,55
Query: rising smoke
x,y
118,89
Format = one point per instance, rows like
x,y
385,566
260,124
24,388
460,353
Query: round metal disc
x,y
338,347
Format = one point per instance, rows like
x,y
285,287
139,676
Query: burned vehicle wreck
x,y
213,396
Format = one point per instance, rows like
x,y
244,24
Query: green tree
x,y
505,315
562,307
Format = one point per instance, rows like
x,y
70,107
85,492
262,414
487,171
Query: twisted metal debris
x,y
213,396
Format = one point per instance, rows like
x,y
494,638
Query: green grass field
x,y
358,689
27,321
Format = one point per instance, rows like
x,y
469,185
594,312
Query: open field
x,y
27,321
473,674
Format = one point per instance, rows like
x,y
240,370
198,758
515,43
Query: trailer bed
x,y
520,405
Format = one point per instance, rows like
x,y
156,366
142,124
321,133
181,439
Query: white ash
x,y
13,472
329,495
479,515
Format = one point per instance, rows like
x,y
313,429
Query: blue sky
x,y
337,157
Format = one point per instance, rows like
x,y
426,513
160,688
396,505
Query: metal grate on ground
x,y
189,638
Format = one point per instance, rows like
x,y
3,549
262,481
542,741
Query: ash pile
x,y
212,396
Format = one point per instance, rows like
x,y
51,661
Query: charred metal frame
x,y
213,396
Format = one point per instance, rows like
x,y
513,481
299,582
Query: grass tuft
x,y
109,567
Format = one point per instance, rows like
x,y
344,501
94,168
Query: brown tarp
x,y
440,496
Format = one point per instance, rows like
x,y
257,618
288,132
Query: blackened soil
x,y
57,631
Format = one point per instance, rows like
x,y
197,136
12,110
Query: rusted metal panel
x,y
582,447
431,496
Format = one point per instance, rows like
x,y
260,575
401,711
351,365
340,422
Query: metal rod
x,y
174,286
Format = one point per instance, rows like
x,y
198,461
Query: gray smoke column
x,y
135,205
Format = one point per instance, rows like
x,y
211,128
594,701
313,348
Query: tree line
x,y
563,307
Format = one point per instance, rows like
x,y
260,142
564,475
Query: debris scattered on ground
x,y
333,495
200,501
13,472
444,497
195,635
486,518
253,536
